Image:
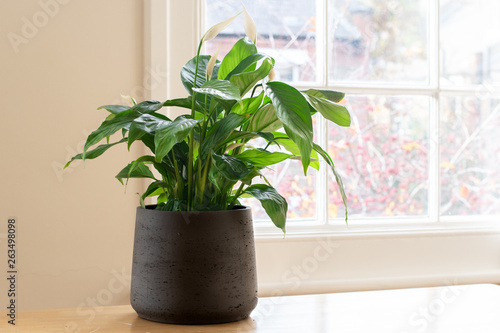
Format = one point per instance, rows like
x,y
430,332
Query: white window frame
x,y
366,255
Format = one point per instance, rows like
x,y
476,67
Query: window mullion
x,y
434,155
321,126
322,41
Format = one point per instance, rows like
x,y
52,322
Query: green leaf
x,y
292,147
230,167
330,110
240,50
114,109
273,203
95,152
329,161
262,158
108,128
249,64
334,96
220,131
293,111
247,80
167,136
248,105
120,121
135,170
186,103
155,188
213,175
145,124
146,107
189,70
264,120
221,89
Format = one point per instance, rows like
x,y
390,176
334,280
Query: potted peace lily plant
x,y
194,257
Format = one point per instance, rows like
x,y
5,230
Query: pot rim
x,y
236,208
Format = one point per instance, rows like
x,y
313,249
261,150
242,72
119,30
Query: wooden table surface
x,y
453,309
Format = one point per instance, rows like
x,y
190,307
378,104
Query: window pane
x,y
470,155
378,41
470,42
382,157
286,30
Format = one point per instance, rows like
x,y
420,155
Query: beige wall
x,y
75,228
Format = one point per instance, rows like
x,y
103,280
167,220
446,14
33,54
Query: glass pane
x,y
378,41
286,30
383,157
470,156
470,42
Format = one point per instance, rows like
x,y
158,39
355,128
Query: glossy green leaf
x,y
334,96
284,141
167,136
261,158
273,203
145,124
338,179
230,167
146,107
240,50
101,149
248,105
247,80
189,70
221,89
114,109
245,135
135,170
220,131
249,64
186,103
155,188
293,111
264,120
239,135
330,110
120,121
108,128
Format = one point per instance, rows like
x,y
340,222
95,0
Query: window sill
x,y
336,258
357,229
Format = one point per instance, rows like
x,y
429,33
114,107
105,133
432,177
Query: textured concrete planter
x,y
194,267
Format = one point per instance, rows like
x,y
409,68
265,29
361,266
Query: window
x,y
424,115
420,79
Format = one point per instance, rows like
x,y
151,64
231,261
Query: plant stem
x,y
191,134
203,180
236,195
178,177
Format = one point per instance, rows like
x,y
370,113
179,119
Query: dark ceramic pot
x,y
194,267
